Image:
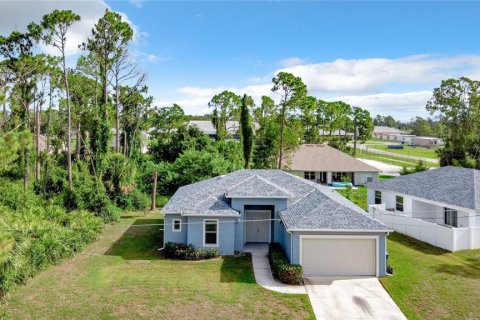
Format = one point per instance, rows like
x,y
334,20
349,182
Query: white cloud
x,y
16,15
137,3
291,62
404,105
370,75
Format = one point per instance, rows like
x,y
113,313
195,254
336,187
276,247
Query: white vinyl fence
x,y
449,238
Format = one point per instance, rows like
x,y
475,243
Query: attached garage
x,y
328,255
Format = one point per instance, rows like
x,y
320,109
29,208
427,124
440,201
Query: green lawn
x,y
408,150
389,159
122,276
430,283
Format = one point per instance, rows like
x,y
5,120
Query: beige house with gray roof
x,y
324,164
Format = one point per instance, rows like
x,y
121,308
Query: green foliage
x,y
174,250
35,233
282,270
246,130
419,167
226,107
457,103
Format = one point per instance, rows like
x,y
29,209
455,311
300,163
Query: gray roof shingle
x,y
310,205
450,185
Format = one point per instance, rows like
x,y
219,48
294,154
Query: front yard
x,y
430,283
122,276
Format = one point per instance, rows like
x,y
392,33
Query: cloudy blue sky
x,y
385,56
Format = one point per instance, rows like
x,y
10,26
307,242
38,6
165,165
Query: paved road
x,y
384,167
351,298
393,154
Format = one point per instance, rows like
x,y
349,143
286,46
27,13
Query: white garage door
x,y
342,256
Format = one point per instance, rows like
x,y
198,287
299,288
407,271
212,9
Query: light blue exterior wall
x,y
287,244
294,255
226,230
171,236
276,226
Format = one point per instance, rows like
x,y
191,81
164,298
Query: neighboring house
x,y
382,132
336,133
324,164
439,206
429,142
317,227
206,126
144,136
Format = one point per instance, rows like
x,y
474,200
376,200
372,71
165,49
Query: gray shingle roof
x,y
310,205
450,185
257,187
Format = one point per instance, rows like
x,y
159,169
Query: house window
x,y
369,179
176,225
337,176
399,203
450,217
210,233
378,197
309,175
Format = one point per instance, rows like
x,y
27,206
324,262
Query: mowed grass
x,y
122,276
430,283
407,150
390,159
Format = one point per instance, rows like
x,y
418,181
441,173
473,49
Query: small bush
x,y
180,251
282,270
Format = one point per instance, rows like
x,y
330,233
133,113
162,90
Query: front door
x,y
257,226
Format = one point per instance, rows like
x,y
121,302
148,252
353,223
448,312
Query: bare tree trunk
x,y
69,123
117,116
355,133
79,140
37,143
154,191
282,125
124,142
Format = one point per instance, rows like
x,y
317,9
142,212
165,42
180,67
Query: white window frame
x,y
173,225
204,232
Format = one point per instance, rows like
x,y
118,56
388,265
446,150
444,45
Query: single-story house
x,y
428,142
383,132
439,201
336,133
206,126
324,164
316,227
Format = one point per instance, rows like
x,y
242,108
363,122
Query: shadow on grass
x,y
237,269
466,271
416,244
140,241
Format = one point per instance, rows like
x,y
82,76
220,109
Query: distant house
x,y
206,126
336,133
144,137
387,133
429,142
316,227
439,206
324,164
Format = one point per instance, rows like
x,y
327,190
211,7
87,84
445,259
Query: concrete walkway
x,y
351,298
263,273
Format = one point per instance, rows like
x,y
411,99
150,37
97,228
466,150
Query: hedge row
x,y
182,251
282,270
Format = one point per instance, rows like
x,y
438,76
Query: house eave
x,y
338,230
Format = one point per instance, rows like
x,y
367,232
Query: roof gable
x,y
257,187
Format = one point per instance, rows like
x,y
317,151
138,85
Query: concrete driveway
x,y
351,298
